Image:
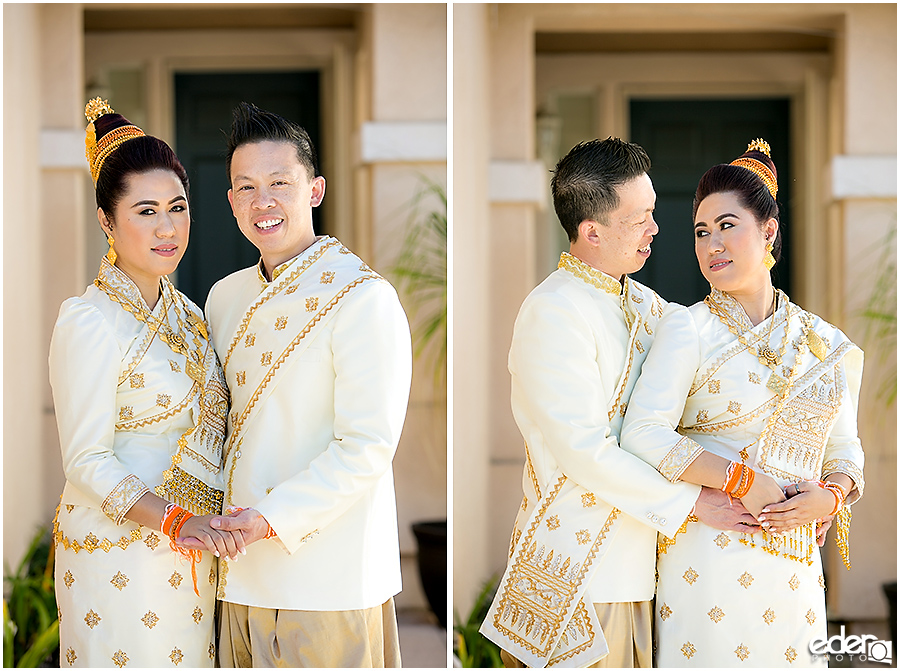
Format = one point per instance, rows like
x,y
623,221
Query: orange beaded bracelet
x,y
173,520
738,480
836,490
747,476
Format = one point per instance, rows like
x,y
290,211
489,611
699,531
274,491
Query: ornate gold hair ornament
x,y
759,168
96,152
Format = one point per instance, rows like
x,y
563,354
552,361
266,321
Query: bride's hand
x,y
763,492
812,503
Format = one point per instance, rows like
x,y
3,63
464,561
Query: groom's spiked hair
x,y
250,124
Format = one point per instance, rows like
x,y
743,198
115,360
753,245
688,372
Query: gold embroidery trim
x,y
581,620
531,474
245,322
223,579
849,469
626,374
664,542
585,273
191,493
236,428
528,550
91,542
736,349
717,427
159,417
679,458
122,497
792,394
138,357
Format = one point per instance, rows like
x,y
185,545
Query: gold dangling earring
x,y
768,259
111,255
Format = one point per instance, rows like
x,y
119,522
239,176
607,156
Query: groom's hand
x,y
249,522
720,511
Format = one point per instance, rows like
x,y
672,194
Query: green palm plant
x,y
30,623
880,313
421,272
471,648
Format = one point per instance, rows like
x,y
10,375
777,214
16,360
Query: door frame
x,y
613,79
161,55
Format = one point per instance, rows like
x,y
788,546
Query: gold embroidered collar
x,y
112,278
260,271
260,268
731,313
589,275
120,289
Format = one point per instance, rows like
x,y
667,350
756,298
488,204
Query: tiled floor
x,y
423,643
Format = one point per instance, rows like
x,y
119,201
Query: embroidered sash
x,y
799,412
792,445
539,614
280,325
194,479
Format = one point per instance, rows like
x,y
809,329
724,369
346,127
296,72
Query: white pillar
x,y
470,281
24,268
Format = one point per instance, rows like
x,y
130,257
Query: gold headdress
x,y
97,151
759,168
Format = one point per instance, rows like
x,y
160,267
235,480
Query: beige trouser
x,y
626,627
266,637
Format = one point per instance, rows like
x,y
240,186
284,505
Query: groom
x,y
316,351
581,572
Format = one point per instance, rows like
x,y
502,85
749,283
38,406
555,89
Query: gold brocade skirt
x,y
723,603
125,598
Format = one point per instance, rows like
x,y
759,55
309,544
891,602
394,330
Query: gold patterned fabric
x,y
622,622
586,530
592,276
725,598
138,395
318,363
125,599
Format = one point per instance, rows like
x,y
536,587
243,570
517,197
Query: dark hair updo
x,y
752,193
133,157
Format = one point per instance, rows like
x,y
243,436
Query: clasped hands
x,y
224,535
807,502
767,506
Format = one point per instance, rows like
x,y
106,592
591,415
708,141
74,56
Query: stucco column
x,y
470,275
65,182
863,184
404,149
518,183
24,267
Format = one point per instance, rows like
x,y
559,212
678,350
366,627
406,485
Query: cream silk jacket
x,y
587,529
319,364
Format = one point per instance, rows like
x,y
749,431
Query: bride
x,y
743,391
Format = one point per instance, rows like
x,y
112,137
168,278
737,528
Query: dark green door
x,y
203,104
684,138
